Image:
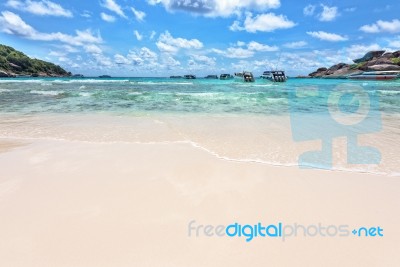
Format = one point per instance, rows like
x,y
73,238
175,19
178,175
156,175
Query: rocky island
x,y
14,63
372,61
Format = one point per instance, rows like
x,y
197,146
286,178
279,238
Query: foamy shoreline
x,y
66,203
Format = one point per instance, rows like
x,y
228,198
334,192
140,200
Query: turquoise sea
x,y
165,95
265,122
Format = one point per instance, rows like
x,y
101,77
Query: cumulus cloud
x,y
243,50
114,7
326,36
203,60
141,57
93,49
294,45
328,13
254,46
382,26
217,8
139,15
168,44
42,8
107,17
11,23
263,22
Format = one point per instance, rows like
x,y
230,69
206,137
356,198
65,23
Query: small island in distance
x,y
14,63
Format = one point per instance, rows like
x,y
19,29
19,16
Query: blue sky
x,y
176,37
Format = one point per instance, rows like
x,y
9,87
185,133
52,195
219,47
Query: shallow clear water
x,y
263,122
144,95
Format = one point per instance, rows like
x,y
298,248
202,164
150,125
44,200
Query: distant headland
x,y
14,63
371,61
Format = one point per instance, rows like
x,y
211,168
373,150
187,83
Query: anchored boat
x,y
225,76
376,75
274,76
245,76
189,76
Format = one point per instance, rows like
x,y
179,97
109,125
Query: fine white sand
x,y
81,204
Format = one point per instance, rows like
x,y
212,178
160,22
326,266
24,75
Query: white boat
x,y
245,76
274,76
376,75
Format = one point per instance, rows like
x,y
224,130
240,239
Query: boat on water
x,y
211,77
189,76
225,76
376,75
104,76
274,76
175,77
245,76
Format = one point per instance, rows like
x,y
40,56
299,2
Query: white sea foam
x,y
50,93
163,83
82,87
135,93
389,92
85,94
4,90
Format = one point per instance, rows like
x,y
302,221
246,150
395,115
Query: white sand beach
x,y
102,203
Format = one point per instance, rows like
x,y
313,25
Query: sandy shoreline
x,y
71,203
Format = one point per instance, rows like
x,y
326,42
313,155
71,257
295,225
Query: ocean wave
x,y
5,90
198,94
389,92
85,94
162,83
50,93
135,93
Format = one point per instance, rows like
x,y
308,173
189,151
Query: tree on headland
x,y
14,63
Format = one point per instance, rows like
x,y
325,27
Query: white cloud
x,y
243,50
121,60
394,43
238,52
11,23
204,60
254,46
93,49
295,45
141,57
106,17
86,14
139,37
328,13
139,15
42,8
168,44
358,50
309,10
114,7
382,26
152,35
264,23
332,37
217,8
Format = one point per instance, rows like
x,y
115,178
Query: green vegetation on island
x,y
14,63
